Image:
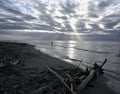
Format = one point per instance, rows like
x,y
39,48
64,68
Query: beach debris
x,y
17,79
61,80
94,73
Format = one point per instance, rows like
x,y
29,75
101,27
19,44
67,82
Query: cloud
x,y
84,16
104,4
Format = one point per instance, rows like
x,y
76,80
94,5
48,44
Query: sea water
x,y
89,52
95,49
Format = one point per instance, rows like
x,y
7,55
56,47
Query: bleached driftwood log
x,y
86,80
94,73
61,80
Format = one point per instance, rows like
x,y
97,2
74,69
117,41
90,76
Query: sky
x,y
72,17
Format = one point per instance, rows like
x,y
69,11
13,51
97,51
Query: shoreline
x,y
36,59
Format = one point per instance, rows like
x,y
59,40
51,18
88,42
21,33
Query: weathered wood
x,y
14,62
2,64
42,89
94,73
71,86
61,80
86,80
70,78
80,63
103,63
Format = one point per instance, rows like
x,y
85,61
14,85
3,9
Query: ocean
x,y
73,49
89,52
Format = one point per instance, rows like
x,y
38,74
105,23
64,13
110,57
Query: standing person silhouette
x,y
51,43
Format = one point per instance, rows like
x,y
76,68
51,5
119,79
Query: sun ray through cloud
x,y
75,17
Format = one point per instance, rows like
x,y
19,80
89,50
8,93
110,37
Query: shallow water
x,y
90,52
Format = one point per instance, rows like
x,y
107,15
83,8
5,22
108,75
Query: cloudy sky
x,y
82,17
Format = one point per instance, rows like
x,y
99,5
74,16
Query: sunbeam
x,y
78,17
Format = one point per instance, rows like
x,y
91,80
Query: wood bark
x,y
86,80
94,73
42,89
61,80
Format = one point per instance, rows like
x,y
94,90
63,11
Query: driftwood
x,y
42,89
103,63
61,80
16,79
94,73
80,62
71,80
14,62
86,80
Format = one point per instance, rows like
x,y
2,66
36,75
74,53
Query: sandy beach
x,y
100,87
35,59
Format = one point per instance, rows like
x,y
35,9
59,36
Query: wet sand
x,y
36,59
33,58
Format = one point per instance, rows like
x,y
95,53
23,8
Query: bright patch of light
x,y
71,50
102,26
57,13
82,9
99,32
117,26
72,23
88,26
11,21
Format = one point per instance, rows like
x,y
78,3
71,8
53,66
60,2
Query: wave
x,y
92,51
